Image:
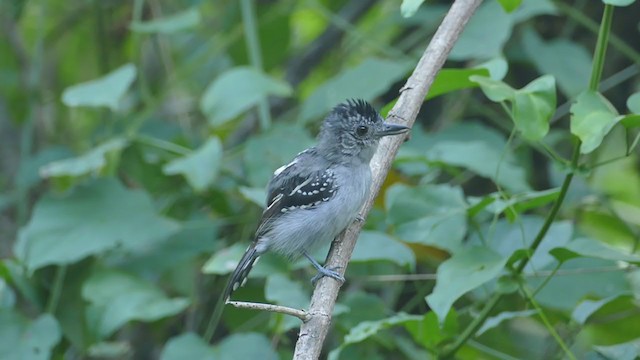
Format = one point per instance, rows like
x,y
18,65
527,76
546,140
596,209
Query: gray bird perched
x,y
318,194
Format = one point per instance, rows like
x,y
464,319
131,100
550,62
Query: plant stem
x,y
601,48
162,144
58,281
471,329
554,209
255,56
547,324
596,74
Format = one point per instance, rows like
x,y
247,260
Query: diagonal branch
x,y
300,314
313,332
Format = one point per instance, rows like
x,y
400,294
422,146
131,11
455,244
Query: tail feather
x,y
240,274
237,279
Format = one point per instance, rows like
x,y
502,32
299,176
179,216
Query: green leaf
x,y
625,351
619,2
7,296
586,308
572,76
24,339
272,149
633,103
188,346
476,204
592,117
494,321
409,7
449,80
236,91
234,347
256,195
510,5
367,329
95,218
106,91
490,27
95,162
361,307
429,333
585,279
200,168
485,34
595,249
225,260
430,215
110,350
529,9
169,24
30,171
497,67
356,82
117,298
245,346
630,121
510,239
471,145
508,284
483,159
374,245
518,203
531,107
495,90
463,272
282,291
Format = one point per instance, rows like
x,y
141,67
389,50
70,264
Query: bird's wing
x,y
297,186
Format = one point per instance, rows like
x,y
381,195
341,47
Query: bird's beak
x,y
392,129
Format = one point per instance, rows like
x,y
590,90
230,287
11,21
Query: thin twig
x,y
545,320
313,332
300,314
565,272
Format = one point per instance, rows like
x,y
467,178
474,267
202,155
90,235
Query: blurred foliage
x,y
136,138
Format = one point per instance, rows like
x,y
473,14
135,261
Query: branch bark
x,y
300,314
313,332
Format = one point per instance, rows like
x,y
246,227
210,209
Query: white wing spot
x,y
297,189
275,200
284,167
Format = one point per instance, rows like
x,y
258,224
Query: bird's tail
x,y
237,279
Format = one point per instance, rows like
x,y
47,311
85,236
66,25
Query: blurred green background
x,y
136,139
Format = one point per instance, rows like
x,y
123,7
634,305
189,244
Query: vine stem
x,y
255,56
547,323
56,291
596,74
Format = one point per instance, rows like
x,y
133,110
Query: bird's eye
x,y
362,130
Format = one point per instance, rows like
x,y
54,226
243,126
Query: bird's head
x,y
353,129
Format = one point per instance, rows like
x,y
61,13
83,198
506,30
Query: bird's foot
x,y
329,272
359,218
323,271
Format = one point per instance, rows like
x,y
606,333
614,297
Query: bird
x,y
313,198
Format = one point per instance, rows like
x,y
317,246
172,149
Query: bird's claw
x,y
359,218
329,272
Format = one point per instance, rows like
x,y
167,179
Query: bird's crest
x,y
357,107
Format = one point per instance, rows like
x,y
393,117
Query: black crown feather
x,y
355,107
